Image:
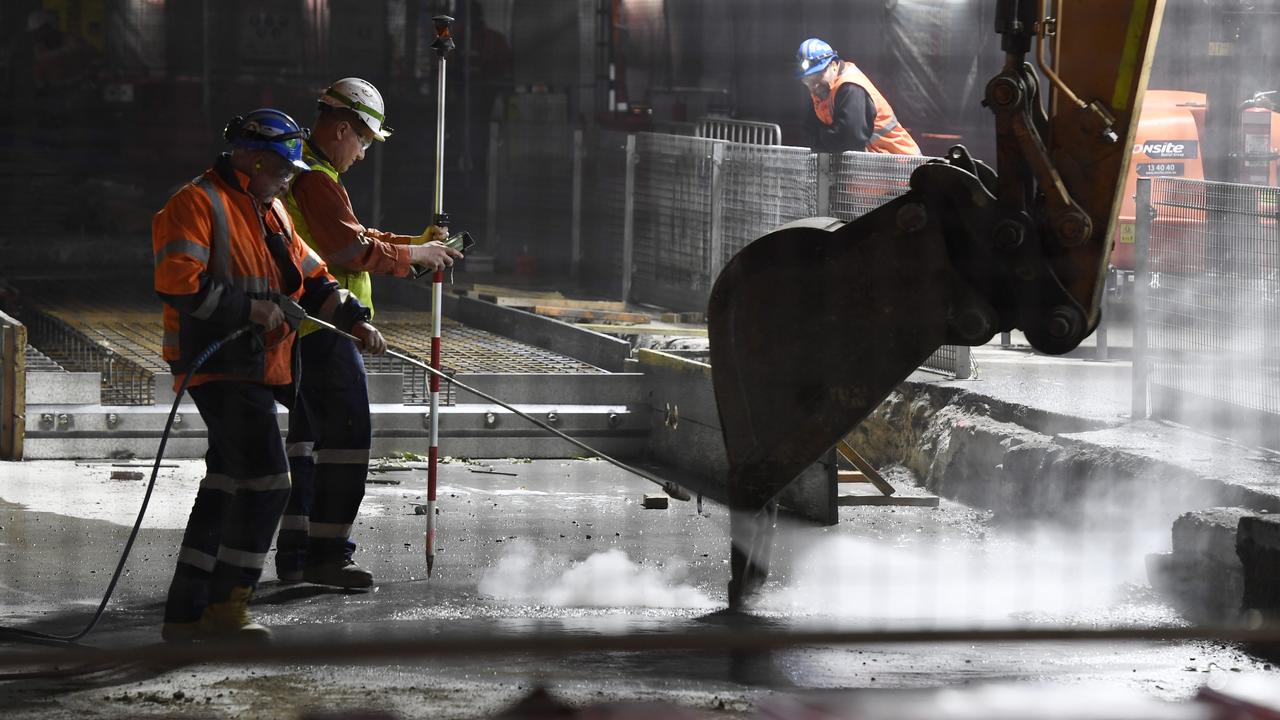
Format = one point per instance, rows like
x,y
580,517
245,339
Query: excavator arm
x,y
814,324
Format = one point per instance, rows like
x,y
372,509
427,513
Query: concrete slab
x,y
566,547
63,388
1203,575
466,430
1258,547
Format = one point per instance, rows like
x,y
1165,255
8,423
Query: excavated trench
x,y
1031,467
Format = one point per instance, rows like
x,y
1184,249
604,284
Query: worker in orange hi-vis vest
x,y
849,113
227,258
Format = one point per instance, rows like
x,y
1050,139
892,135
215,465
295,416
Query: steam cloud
x,y
605,579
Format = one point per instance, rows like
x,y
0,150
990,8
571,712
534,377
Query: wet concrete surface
x,y
565,547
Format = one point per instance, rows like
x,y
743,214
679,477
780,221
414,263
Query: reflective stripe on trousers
x,y
239,502
331,411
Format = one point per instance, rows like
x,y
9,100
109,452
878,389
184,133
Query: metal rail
x,y
739,131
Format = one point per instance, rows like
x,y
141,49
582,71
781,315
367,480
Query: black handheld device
x,y
461,242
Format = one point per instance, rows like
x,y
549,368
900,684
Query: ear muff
x,y
233,129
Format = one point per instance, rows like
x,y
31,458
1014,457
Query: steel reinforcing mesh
x,y
1212,323
124,347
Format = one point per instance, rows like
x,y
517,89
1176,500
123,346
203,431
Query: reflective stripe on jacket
x,y
211,258
357,282
887,136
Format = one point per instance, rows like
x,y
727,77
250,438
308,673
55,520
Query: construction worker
x,y
849,113
329,454
225,253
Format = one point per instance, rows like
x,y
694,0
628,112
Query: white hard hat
x,y
362,98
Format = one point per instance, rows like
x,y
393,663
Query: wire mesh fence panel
x,y
950,360
1213,332
673,208
604,173
865,181
762,188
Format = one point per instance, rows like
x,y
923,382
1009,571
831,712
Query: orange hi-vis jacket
x,y
214,252
888,136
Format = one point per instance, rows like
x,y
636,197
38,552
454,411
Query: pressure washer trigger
x,y
293,312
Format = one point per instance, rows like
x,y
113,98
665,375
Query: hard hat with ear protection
x,y
268,129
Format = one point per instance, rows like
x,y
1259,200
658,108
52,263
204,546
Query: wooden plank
x,y
865,467
884,500
481,290
650,329
13,387
852,476
585,315
526,302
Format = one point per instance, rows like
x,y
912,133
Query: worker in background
x,y
225,251
849,113
329,443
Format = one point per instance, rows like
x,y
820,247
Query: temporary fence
x,y
1207,335
739,131
657,216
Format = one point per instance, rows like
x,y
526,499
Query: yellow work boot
x,y
229,620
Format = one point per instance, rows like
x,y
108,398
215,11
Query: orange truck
x,y
1169,144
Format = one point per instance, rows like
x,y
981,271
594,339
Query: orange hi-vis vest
x,y
887,136
210,236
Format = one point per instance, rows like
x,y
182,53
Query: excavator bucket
x,y
812,325
794,367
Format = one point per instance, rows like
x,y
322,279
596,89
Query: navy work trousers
x,y
240,500
328,447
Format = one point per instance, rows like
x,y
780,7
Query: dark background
x,y
116,102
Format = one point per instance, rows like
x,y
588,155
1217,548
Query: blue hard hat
x,y
268,129
813,57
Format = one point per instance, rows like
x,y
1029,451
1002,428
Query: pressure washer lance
x,y
295,314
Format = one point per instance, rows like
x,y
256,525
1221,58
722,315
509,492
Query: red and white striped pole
x,y
442,45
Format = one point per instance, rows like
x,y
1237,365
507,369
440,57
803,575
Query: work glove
x,y
433,256
265,313
432,233
370,339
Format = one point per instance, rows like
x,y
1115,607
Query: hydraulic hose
x,y
18,634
